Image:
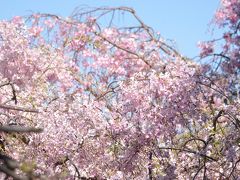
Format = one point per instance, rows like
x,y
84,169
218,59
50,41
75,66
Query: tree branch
x,y
16,108
19,129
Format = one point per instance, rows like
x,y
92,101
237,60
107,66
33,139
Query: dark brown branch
x,y
19,129
195,139
150,173
198,171
4,84
234,167
16,108
14,98
124,49
220,113
76,168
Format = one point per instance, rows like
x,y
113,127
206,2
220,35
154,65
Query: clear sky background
x,y
184,21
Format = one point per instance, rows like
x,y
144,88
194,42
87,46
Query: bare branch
x,y
16,108
12,129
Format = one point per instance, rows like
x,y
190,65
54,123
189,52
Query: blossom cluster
x,y
116,103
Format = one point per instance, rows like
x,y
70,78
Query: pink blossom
x,y
49,23
18,20
35,31
207,48
52,77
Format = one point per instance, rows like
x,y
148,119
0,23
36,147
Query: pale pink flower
x,y
35,31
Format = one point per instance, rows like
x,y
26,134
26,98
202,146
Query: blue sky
x,y
184,21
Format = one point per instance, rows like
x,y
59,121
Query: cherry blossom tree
x,y
117,102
